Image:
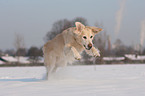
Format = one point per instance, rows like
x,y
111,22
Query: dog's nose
x,y
90,45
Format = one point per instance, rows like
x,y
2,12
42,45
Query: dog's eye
x,y
84,37
91,37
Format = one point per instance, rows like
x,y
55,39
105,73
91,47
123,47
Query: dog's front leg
x,y
94,52
70,48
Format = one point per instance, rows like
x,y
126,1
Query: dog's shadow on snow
x,y
33,79
23,80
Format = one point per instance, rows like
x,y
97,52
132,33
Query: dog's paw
x,y
96,54
77,57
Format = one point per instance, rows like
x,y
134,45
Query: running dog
x,y
68,45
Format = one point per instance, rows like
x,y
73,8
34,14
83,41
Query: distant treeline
x,y
32,52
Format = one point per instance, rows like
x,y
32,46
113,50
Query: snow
x,y
15,59
23,59
9,58
113,58
41,59
1,62
91,80
134,57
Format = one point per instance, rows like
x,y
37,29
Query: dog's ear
x,y
96,29
79,26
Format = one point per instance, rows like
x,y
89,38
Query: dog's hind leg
x,y
46,75
54,69
50,66
49,70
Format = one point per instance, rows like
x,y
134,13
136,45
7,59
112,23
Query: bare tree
x,y
143,52
34,54
21,52
19,41
57,28
100,42
120,49
1,52
61,25
19,44
10,52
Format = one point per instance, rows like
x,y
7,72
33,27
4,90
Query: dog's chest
x,y
69,57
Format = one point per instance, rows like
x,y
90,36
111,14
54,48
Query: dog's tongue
x,y
87,48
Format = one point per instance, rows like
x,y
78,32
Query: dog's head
x,y
85,35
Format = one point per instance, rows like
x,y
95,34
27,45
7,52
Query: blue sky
x,y
34,18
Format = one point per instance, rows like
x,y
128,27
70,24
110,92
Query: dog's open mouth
x,y
87,48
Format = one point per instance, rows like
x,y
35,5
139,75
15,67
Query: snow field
x,y
91,80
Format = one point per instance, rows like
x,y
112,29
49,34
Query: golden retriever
x,y
68,45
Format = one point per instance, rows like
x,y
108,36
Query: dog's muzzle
x,y
89,46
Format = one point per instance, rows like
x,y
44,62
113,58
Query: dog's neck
x,y
80,45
